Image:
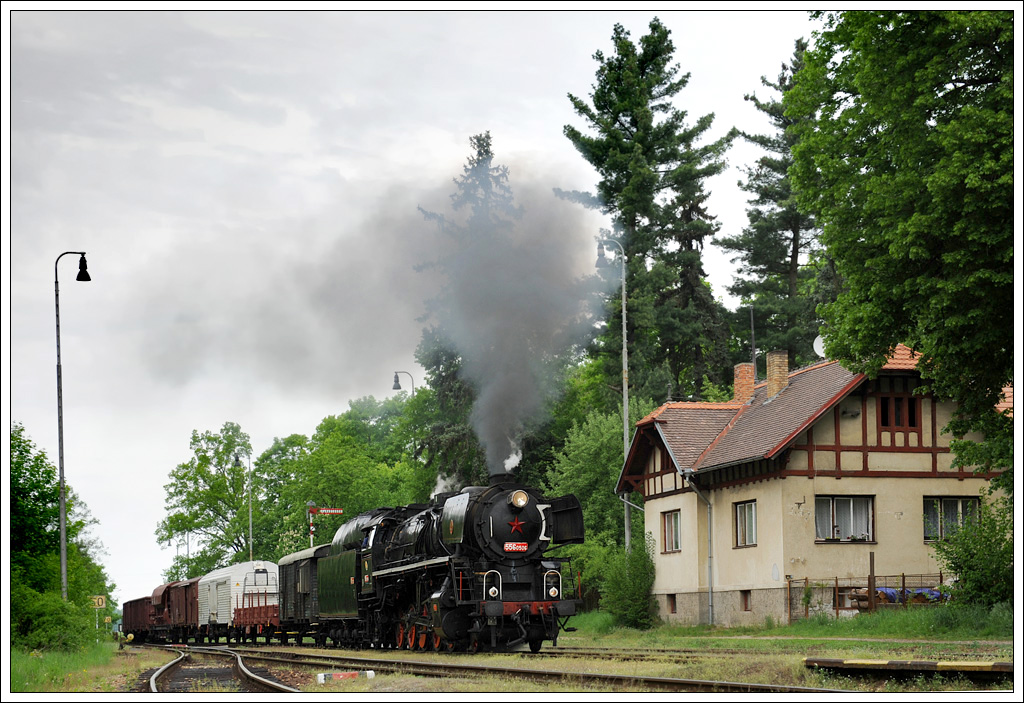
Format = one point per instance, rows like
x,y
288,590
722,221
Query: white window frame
x,y
745,522
944,507
844,518
671,535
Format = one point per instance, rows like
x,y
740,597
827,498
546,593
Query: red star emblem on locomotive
x,y
516,525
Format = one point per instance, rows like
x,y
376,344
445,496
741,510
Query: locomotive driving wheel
x,y
399,635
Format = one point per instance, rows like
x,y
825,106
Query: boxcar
x,y
220,592
137,618
183,610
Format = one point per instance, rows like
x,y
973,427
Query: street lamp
x,y
83,275
238,464
398,386
601,261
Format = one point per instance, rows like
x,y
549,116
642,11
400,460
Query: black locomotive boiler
x,y
468,571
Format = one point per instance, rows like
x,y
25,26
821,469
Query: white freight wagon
x,y
247,584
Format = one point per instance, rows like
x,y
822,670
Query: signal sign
x,y
327,511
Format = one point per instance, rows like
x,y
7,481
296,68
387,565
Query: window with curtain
x,y
670,531
944,516
844,518
746,523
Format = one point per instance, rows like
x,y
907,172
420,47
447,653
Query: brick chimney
x,y
743,382
778,371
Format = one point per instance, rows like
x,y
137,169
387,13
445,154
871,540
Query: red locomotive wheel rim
x,y
422,640
437,642
399,635
412,637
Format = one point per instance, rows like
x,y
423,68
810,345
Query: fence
x,y
807,597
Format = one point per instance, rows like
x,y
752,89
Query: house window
x,y
844,518
746,523
745,600
899,413
670,602
670,531
944,516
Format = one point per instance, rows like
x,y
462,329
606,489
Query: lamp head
x,y
397,386
83,270
601,261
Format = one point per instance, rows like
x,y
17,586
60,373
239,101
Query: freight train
x,y
468,571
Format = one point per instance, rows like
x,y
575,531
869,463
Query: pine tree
x,y
652,174
774,247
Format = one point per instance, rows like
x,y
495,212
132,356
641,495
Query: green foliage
x,y
905,155
39,671
34,498
207,501
45,621
446,441
589,465
980,553
339,468
627,587
40,617
652,172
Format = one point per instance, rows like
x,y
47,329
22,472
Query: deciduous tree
x,y
40,617
207,501
905,155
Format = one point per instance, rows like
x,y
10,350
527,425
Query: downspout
x,y
688,475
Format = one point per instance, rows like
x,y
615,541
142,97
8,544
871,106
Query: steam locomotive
x,y
468,571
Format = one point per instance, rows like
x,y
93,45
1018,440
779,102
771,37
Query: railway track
x,y
201,675
207,669
444,667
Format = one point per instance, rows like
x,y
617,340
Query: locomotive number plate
x,y
516,546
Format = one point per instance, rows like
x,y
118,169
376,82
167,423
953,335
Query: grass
x,y
963,623
775,654
100,667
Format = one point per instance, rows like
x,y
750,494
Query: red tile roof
x,y
704,436
903,358
1006,404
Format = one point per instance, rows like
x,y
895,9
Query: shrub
x,y
626,593
981,555
45,621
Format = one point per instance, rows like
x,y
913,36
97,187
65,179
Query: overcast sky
x,y
246,186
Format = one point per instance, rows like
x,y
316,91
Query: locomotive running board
x,y
410,567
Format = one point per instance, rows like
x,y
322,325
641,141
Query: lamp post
x,y
398,386
601,261
83,275
238,464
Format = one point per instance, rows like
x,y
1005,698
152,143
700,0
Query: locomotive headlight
x,y
518,499
553,592
492,592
